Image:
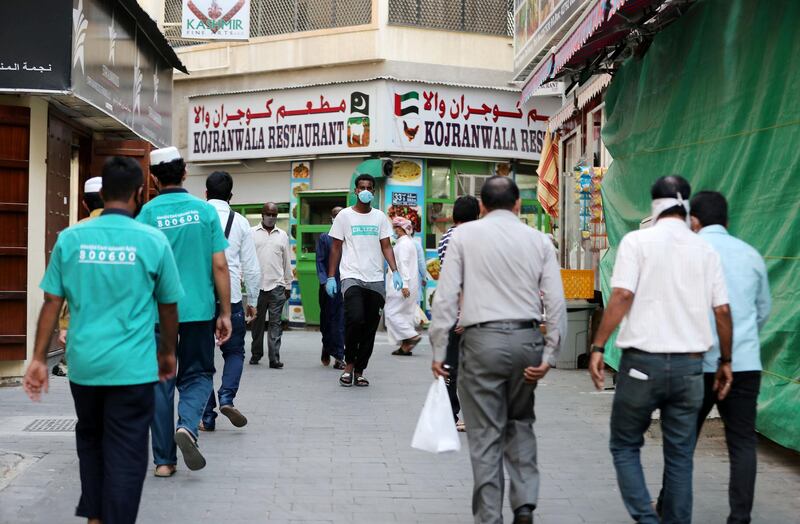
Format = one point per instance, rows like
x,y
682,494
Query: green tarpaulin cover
x,y
716,98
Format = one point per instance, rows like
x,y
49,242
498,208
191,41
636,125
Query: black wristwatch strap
x,y
724,360
598,349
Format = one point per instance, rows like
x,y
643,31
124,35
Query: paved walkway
x,y
317,452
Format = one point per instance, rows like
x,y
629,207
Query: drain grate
x,y
50,425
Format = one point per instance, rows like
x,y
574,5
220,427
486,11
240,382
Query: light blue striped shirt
x,y
748,293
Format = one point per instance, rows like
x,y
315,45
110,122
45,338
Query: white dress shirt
x,y
676,278
274,257
241,254
506,270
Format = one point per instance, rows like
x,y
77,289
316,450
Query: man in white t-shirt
x,y
361,242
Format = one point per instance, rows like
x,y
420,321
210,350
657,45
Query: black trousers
x,y
451,359
362,314
331,323
738,413
111,440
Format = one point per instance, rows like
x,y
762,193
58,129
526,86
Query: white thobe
x,y
400,312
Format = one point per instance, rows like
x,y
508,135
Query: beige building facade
x,y
435,78
377,49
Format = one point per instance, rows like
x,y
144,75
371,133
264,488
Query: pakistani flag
x,y
406,103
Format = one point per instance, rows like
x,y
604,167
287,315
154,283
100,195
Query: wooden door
x,y
59,169
137,149
14,151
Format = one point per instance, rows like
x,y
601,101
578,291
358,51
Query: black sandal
x,y
346,379
400,352
361,382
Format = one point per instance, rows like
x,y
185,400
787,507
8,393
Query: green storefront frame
x,y
313,219
312,206
445,195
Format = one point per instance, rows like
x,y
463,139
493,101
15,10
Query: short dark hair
x,y
499,192
364,176
93,201
122,177
669,187
219,185
170,173
466,209
710,208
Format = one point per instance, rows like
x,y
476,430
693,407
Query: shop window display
x,y
317,211
440,218
439,182
527,185
439,204
574,255
531,213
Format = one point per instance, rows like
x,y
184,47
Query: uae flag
x,y
406,103
547,191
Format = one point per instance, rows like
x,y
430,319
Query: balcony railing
x,y
494,17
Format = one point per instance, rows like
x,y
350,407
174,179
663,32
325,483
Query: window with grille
x,y
495,17
277,17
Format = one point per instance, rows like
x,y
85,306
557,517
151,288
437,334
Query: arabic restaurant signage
x,y
467,121
115,68
216,19
35,59
104,53
291,122
371,116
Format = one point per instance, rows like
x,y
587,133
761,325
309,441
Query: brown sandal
x,y
165,470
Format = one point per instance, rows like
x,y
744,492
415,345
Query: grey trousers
x,y
269,302
498,412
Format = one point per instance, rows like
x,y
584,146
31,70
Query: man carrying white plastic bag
x,y
501,268
436,431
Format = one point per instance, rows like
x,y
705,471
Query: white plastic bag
x,y
436,429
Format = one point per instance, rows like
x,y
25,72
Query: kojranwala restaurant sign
x,y
375,116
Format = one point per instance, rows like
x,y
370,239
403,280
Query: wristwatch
x,y
724,360
598,349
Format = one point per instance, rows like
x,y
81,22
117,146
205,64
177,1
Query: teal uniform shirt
x,y
192,227
113,271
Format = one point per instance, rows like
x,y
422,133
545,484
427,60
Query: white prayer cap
x,y
93,185
164,155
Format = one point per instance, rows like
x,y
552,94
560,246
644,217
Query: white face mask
x,y
660,205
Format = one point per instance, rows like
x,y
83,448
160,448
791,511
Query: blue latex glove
x,y
330,287
397,281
